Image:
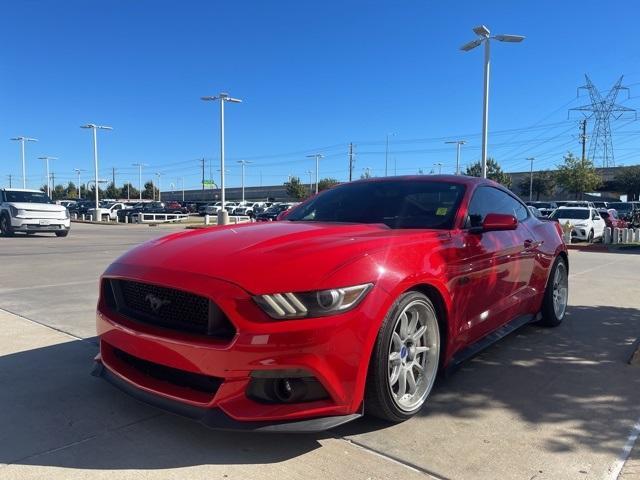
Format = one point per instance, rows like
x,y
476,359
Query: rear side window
x,y
491,200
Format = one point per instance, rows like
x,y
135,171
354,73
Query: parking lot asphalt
x,y
542,403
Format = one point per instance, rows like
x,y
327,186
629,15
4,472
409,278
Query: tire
x,y
5,226
105,218
62,234
394,357
552,316
590,237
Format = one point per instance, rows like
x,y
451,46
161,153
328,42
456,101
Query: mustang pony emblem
x,y
156,303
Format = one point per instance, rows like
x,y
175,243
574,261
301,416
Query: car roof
x,y
564,207
22,190
461,179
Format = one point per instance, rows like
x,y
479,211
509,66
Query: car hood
x,y
38,207
271,257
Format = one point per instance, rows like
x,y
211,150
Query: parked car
x,y
611,219
628,211
149,207
81,207
575,203
545,208
175,207
109,210
601,205
271,213
586,222
248,209
31,211
535,211
353,303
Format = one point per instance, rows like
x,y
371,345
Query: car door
x,y
497,266
598,223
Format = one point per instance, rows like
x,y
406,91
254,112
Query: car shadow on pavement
x,y
54,413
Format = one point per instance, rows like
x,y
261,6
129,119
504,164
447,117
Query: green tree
x,y
326,183
627,181
150,192
71,191
131,192
112,191
494,172
295,188
577,176
544,183
58,192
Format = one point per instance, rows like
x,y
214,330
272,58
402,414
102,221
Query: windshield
x,y
542,205
27,197
571,213
621,206
395,203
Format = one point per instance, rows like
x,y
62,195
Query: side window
x,y
491,200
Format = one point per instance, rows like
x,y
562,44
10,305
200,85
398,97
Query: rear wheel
x,y
556,295
590,237
405,359
5,226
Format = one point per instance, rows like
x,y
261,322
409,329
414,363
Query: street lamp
x,y
484,35
78,170
243,163
223,216
95,129
139,165
159,175
386,154
23,139
46,158
317,156
458,144
439,165
310,173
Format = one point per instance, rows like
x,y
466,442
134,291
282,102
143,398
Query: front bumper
x,y
581,233
333,350
40,225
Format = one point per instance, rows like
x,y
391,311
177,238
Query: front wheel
x,y
404,363
590,237
5,226
556,295
62,234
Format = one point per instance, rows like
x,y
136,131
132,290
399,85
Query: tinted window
x,y
571,213
491,200
622,206
395,203
27,197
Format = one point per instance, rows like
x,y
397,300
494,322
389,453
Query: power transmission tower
x,y
602,110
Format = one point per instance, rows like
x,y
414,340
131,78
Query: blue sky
x,y
313,76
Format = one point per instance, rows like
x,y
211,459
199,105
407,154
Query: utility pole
x,y
9,176
183,190
458,144
531,159
113,177
350,161
310,180
583,139
158,174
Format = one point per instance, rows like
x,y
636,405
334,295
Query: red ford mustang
x,y
351,304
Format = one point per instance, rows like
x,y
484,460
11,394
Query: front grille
x,y
167,307
180,378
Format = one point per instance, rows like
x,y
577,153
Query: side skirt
x,y
475,348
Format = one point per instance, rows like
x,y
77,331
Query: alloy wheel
x,y
560,290
413,355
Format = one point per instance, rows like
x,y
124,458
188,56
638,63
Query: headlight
x,y
14,211
312,304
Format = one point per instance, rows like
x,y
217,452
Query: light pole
x,y
310,172
159,175
386,154
46,159
531,159
139,165
182,179
223,216
439,165
23,139
484,35
458,144
317,156
95,129
78,170
243,163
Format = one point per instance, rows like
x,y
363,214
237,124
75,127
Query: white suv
x,y
586,223
31,211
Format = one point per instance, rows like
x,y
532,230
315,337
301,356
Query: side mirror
x,y
496,222
282,215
